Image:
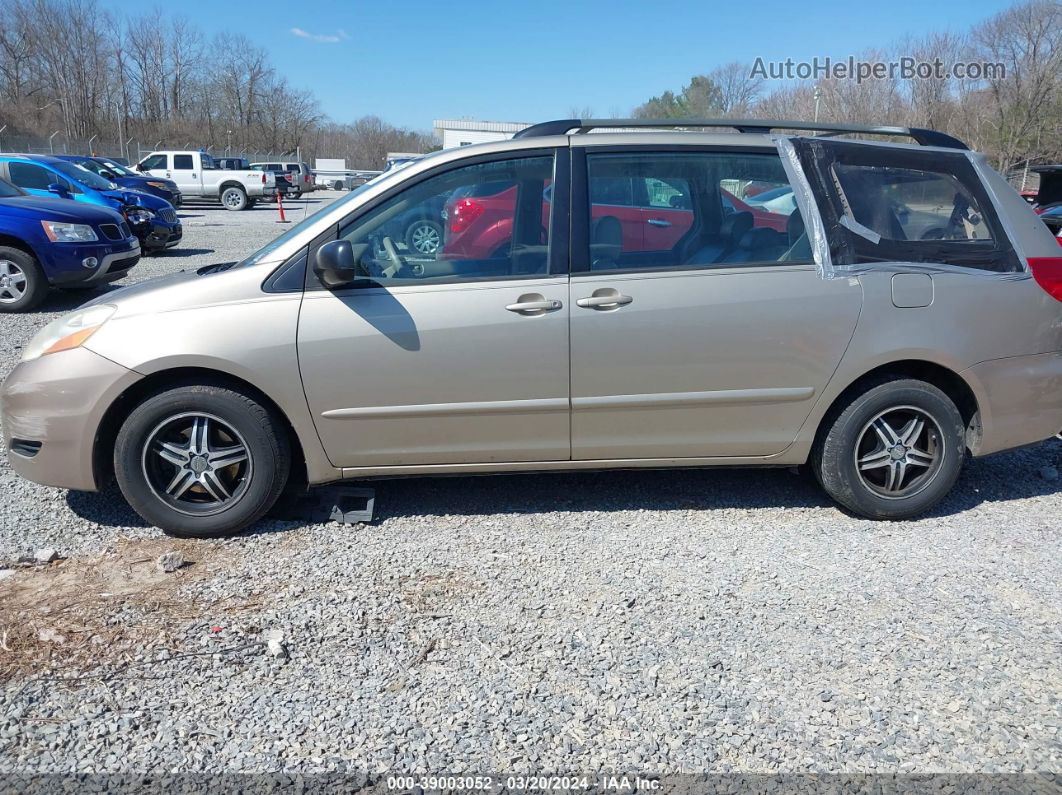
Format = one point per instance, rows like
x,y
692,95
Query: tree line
x,y
1016,116
73,67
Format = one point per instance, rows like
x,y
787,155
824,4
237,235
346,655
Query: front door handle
x,y
606,300
658,222
534,304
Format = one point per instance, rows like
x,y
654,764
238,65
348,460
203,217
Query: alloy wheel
x,y
196,463
899,452
425,238
12,282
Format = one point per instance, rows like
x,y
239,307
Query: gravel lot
x,y
650,621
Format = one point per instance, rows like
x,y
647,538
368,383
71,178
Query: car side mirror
x,y
336,263
58,189
140,167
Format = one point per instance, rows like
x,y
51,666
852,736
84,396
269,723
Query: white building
x,y
464,132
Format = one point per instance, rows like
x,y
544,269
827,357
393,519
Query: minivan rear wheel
x,y
201,461
893,452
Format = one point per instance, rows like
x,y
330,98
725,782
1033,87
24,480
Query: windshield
x,y
263,254
118,168
82,175
7,190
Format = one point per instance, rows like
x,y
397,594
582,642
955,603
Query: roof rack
x,y
920,135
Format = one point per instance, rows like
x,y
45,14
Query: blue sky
x,y
413,61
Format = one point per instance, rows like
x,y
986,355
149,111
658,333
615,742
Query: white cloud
x,y
321,38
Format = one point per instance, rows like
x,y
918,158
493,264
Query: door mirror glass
x,y
336,264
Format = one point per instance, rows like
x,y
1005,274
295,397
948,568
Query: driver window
x,y
484,221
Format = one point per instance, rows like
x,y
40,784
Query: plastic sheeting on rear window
x,y
870,206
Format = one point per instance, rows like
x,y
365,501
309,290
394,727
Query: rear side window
x,y
911,204
901,204
183,162
689,209
31,176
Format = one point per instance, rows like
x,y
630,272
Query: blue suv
x,y
153,221
55,242
165,189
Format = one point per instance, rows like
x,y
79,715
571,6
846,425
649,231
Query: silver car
x,y
610,300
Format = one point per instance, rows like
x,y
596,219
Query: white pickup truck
x,y
198,178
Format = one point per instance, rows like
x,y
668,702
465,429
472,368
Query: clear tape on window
x,y
928,267
852,225
806,202
981,166
807,206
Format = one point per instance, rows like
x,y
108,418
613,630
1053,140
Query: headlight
x,y
160,185
69,331
59,232
139,215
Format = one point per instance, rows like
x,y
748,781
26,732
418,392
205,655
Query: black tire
x,y
424,236
28,284
892,480
235,421
234,198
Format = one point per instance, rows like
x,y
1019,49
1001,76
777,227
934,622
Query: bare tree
x,y
738,88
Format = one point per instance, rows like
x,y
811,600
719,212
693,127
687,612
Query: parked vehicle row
x,y
298,176
197,177
597,301
153,220
52,242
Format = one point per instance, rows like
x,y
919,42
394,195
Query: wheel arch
x,y
137,393
231,183
947,380
16,242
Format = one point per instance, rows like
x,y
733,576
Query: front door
x,y
156,166
460,356
714,343
186,173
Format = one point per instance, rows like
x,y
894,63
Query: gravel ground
x,y
653,621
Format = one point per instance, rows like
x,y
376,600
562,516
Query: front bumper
x,y
1019,398
50,412
159,235
113,265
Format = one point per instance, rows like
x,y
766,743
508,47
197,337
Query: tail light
x,y
263,178
1048,274
463,214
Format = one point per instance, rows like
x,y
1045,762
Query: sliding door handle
x,y
534,305
610,301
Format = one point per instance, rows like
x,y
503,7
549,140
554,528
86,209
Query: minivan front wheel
x,y
893,452
201,461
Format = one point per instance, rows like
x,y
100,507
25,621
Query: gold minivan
x,y
629,298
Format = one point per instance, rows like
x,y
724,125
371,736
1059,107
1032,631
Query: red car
x,y
479,219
